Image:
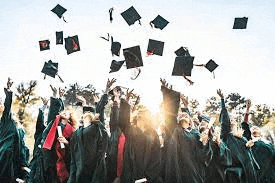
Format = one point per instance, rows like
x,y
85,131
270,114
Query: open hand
x,y
219,92
9,83
109,84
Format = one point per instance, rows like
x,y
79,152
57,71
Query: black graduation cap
x,y
116,65
44,45
211,65
59,37
78,104
159,22
183,66
155,47
51,68
88,109
131,16
182,51
59,10
133,57
240,23
115,47
72,44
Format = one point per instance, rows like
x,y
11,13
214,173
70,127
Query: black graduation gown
x,y
134,152
187,157
88,147
243,162
100,106
215,172
152,159
50,157
264,154
11,156
36,164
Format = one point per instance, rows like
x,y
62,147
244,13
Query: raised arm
x,y
104,100
245,124
171,100
56,104
8,100
224,118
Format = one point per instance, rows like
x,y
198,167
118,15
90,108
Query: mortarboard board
x,y
240,23
183,66
72,44
59,10
88,109
211,65
59,37
155,47
133,57
131,16
44,45
115,47
116,65
159,22
51,68
182,51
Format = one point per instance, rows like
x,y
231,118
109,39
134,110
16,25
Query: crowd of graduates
x,y
130,150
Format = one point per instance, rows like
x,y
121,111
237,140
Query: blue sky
x,y
245,57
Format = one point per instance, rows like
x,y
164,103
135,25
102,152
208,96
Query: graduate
x,y
188,153
262,149
14,165
57,158
243,168
126,150
36,164
89,145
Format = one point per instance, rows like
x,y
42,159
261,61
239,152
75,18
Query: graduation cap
x,y
115,47
159,22
72,44
211,65
133,57
182,51
155,47
116,65
51,68
240,23
59,37
183,66
88,109
44,45
59,10
131,16
78,104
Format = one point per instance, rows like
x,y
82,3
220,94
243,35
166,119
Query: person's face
x,y
256,132
65,115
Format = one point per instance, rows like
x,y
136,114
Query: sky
x,y
245,57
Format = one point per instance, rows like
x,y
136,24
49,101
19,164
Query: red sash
x,y
120,152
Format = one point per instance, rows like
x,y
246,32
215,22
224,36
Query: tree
x,y
25,97
212,105
261,115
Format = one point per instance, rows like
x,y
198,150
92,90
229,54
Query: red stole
x,y
67,132
120,152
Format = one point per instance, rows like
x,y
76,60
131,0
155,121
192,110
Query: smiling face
x,y
65,115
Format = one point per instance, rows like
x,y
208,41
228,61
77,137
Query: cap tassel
x,y
107,39
60,78
139,71
64,20
213,74
139,22
151,24
199,65
111,14
45,76
190,82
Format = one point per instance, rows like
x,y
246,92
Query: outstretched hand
x,y
9,83
129,94
109,84
44,100
184,100
248,104
54,90
219,92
